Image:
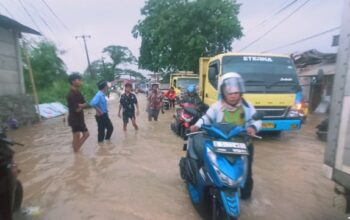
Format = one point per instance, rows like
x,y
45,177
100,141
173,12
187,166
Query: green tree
x,y
101,70
50,74
47,66
175,33
119,55
134,74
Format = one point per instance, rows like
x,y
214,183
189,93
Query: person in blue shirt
x,y
104,124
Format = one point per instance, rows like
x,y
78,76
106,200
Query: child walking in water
x,y
128,101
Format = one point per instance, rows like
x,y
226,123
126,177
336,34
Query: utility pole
x,y
31,76
104,66
86,50
337,152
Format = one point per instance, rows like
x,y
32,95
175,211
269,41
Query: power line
x,y
304,39
279,11
8,12
29,15
275,26
56,16
16,11
42,19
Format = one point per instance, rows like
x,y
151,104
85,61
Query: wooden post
x,y
31,76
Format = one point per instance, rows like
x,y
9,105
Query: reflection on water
x,y
135,176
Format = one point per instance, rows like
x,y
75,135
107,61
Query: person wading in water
x,y
128,101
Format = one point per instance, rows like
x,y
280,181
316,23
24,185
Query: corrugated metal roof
x,y
328,69
11,24
313,57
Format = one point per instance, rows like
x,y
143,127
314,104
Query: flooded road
x,y
136,175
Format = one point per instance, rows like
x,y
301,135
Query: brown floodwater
x,y
136,174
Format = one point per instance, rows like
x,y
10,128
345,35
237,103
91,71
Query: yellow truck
x,y
180,80
271,85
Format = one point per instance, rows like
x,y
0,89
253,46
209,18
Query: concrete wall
x,y
11,76
305,83
14,103
19,107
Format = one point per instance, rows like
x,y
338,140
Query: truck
x,y
180,80
337,153
271,86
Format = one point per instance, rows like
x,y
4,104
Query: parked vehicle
x,y
11,190
181,80
183,120
214,181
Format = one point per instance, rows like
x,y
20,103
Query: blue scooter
x,y
214,179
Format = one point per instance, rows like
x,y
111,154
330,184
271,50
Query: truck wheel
x,y
18,196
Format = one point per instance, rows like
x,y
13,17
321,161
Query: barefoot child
x,y
128,101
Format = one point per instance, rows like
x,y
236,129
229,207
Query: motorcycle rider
x,y
10,200
171,95
191,96
231,108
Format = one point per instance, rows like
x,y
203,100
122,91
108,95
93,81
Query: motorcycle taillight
x,y
186,125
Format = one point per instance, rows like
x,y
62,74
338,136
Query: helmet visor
x,y
233,85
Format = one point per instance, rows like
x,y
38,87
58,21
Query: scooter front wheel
x,y
221,214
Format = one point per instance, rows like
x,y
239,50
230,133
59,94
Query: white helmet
x,y
231,82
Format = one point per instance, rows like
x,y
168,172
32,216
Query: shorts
x,y
153,113
79,128
127,115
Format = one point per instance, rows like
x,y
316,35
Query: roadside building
x,y
316,72
15,103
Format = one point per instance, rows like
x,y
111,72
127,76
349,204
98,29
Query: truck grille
x,y
272,112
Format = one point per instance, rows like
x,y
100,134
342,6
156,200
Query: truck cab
x,y
181,80
271,85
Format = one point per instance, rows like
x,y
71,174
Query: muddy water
x,y
135,176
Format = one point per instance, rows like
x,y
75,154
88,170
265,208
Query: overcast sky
x,y
111,22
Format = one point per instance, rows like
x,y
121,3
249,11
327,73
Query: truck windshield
x,y
183,83
263,73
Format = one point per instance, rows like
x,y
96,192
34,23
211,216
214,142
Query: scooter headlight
x,y
212,157
225,179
